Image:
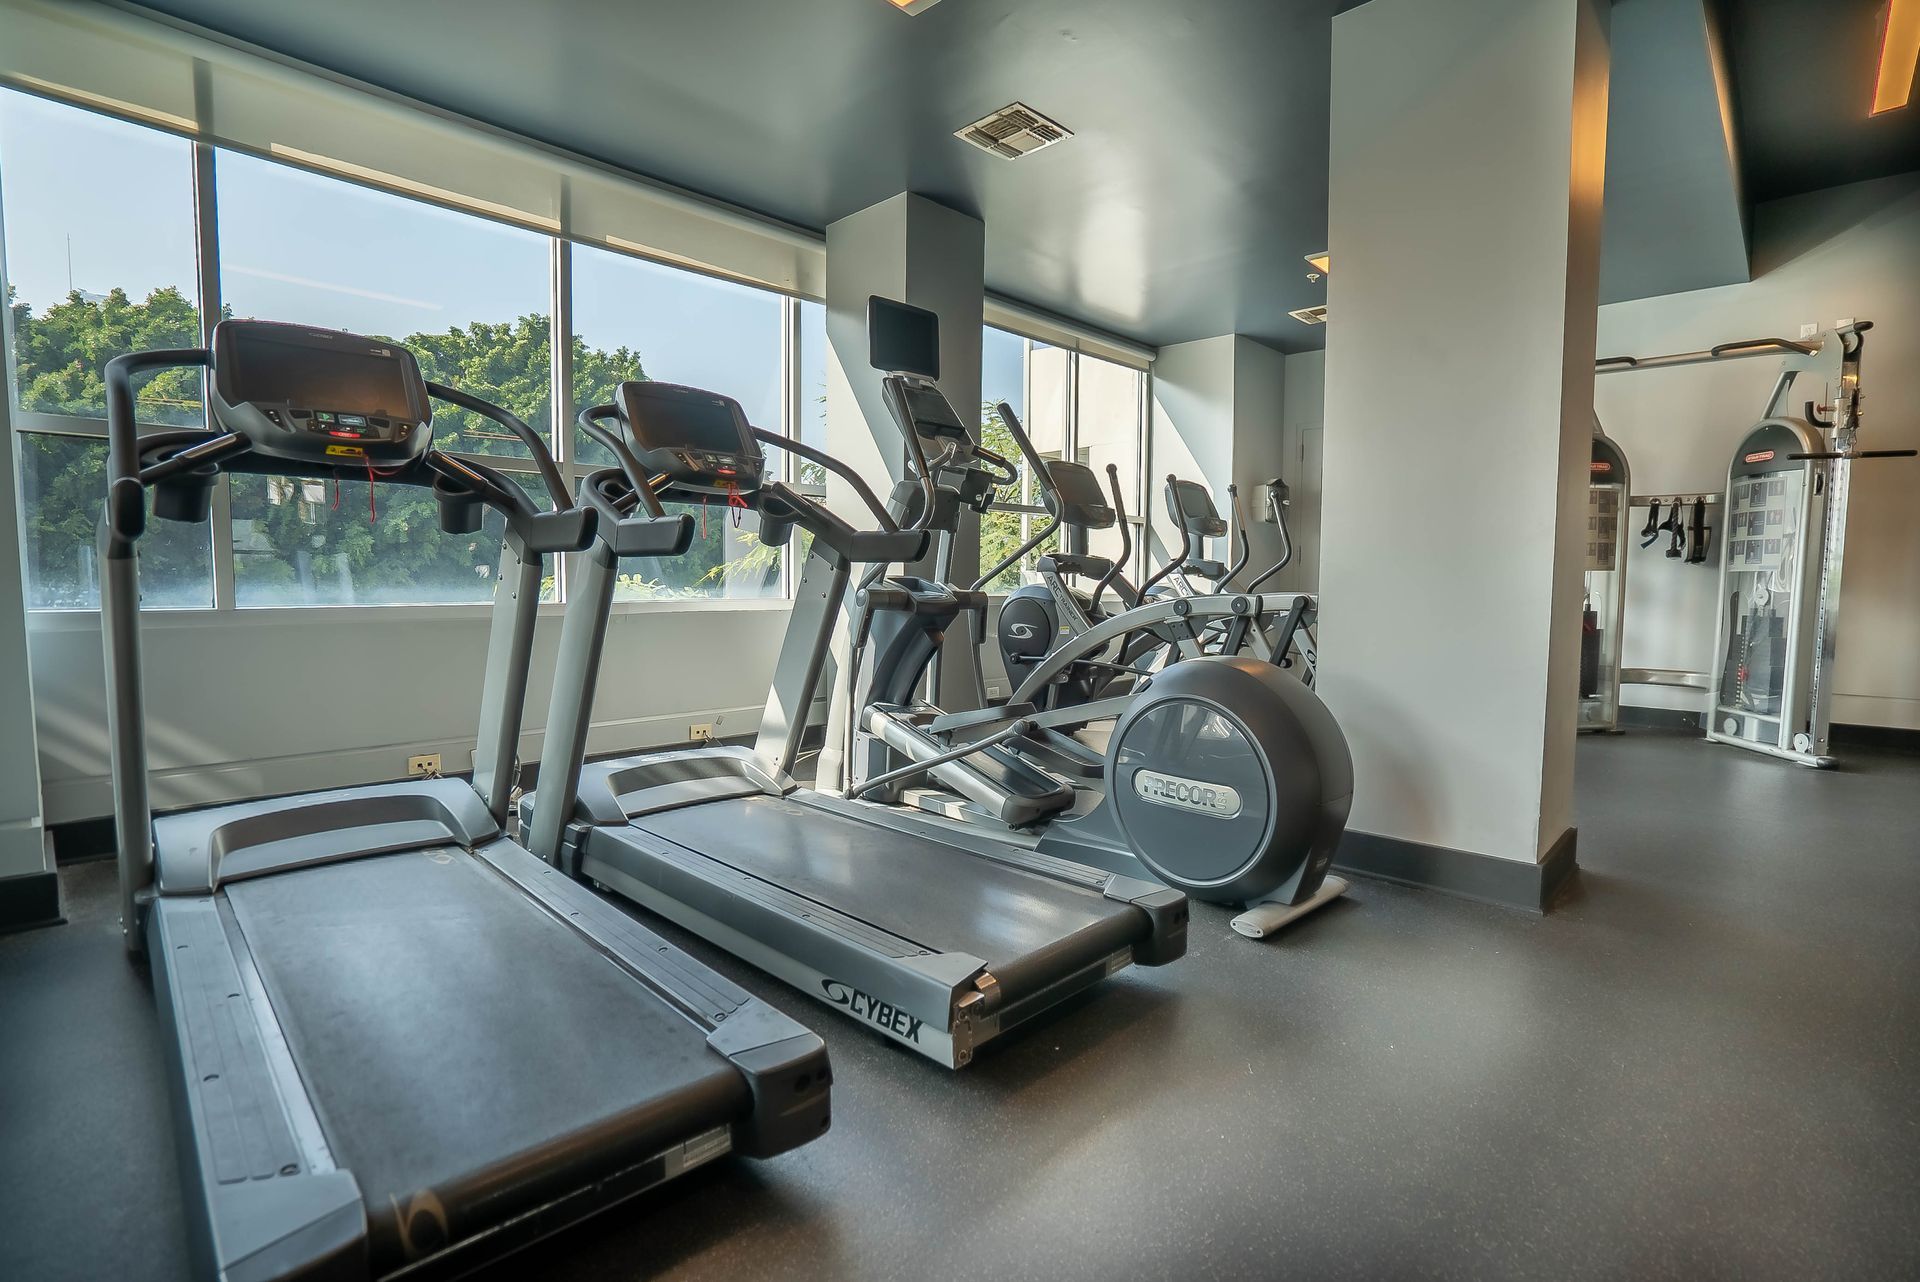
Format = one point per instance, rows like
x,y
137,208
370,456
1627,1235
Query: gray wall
x,y
1218,417
1847,252
246,705
1304,412
1190,432
1674,209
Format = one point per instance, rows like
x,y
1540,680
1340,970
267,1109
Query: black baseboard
x,y
78,840
1890,738
1662,719
1507,882
29,900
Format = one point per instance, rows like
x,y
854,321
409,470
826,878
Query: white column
x,y
1468,152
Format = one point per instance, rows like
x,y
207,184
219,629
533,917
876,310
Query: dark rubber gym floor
x,y
1703,1065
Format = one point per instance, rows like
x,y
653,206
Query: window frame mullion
x,y
790,358
206,235
560,417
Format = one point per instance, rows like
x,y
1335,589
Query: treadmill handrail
x,y
543,462
834,465
636,474
531,533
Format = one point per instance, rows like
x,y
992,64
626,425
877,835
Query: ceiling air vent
x,y
1311,315
1014,131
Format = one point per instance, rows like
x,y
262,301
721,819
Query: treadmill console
x,y
697,441
319,395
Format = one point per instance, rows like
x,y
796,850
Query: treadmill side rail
x,y
1166,910
785,1066
261,1203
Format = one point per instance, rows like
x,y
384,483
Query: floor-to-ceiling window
x,y
1072,406
185,230
94,268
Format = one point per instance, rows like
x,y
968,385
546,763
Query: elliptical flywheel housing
x,y
1231,781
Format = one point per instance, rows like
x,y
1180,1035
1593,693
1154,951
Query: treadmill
x,y
399,1043
940,943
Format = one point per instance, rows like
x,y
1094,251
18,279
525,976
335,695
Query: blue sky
x,y
1003,370
118,199
114,201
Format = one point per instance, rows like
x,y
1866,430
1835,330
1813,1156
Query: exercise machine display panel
x,y
1078,492
319,395
932,416
902,339
1195,506
696,439
1604,585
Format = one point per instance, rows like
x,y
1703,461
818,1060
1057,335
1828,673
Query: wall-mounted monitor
x,y
902,339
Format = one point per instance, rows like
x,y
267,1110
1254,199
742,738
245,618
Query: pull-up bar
x,y
1724,352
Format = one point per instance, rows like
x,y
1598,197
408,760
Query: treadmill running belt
x,y
919,888
470,1057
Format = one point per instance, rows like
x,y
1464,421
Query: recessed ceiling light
x,y
913,6
1321,262
1899,51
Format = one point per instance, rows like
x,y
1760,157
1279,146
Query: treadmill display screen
x,y
672,419
361,382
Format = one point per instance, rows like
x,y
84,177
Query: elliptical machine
x,y
1038,619
1223,777
1292,644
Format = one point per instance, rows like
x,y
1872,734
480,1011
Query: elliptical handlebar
x,y
1246,544
1041,477
1009,474
1278,498
1126,541
1013,558
1179,558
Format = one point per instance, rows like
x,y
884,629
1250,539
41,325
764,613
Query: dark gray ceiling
x,y
1196,180
1674,216
1198,176
1803,73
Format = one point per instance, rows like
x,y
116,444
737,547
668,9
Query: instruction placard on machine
x,y
1603,527
1761,528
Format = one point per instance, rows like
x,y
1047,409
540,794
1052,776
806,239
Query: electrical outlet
x,y
701,732
1809,329
426,764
